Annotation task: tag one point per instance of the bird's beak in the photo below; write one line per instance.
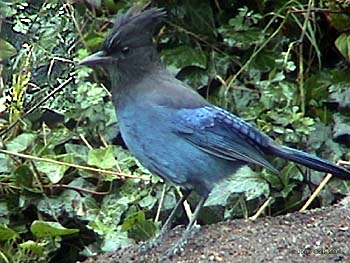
(96, 59)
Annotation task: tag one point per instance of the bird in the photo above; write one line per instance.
(172, 130)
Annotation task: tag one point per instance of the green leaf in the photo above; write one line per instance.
(198, 18)
(7, 233)
(33, 247)
(89, 94)
(5, 163)
(244, 181)
(21, 142)
(341, 95)
(287, 189)
(132, 220)
(343, 45)
(6, 50)
(4, 211)
(24, 176)
(340, 21)
(138, 227)
(114, 6)
(241, 31)
(50, 229)
(273, 179)
(243, 39)
(6, 9)
(102, 158)
(183, 56)
(94, 39)
(265, 61)
(342, 125)
(59, 136)
(114, 240)
(53, 171)
(143, 230)
(71, 203)
(148, 201)
(80, 152)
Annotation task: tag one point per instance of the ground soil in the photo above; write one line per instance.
(320, 235)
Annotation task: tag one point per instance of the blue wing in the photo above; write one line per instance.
(223, 134)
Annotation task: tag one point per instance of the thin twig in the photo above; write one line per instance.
(156, 218)
(186, 205)
(76, 188)
(60, 87)
(316, 192)
(301, 78)
(105, 144)
(103, 140)
(255, 53)
(261, 209)
(87, 168)
(306, 21)
(320, 10)
(85, 141)
(301, 59)
(70, 11)
(320, 187)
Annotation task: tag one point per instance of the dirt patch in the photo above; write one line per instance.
(320, 235)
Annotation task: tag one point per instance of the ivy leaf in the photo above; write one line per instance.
(199, 18)
(340, 95)
(50, 229)
(79, 152)
(148, 202)
(7, 233)
(243, 39)
(343, 45)
(102, 158)
(53, 171)
(114, 240)
(138, 227)
(21, 142)
(341, 126)
(71, 203)
(34, 247)
(24, 176)
(6, 10)
(340, 21)
(6, 50)
(94, 39)
(244, 181)
(183, 56)
(5, 163)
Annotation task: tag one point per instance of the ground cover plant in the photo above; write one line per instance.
(67, 182)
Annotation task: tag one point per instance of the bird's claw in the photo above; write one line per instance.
(148, 246)
(151, 244)
(174, 250)
(180, 244)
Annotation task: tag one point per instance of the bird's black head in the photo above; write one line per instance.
(129, 44)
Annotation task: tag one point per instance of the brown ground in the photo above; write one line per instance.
(320, 235)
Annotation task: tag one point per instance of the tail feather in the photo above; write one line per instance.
(309, 160)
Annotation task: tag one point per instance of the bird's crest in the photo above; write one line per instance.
(135, 28)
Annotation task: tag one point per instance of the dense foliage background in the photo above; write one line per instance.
(65, 186)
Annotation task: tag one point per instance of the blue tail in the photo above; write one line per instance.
(308, 160)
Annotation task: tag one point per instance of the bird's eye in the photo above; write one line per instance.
(125, 50)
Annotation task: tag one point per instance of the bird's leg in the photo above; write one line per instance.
(187, 233)
(166, 227)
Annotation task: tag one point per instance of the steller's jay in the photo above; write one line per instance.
(170, 128)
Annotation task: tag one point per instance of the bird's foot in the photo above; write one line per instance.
(151, 244)
(180, 244)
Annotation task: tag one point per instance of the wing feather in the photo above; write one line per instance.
(223, 134)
